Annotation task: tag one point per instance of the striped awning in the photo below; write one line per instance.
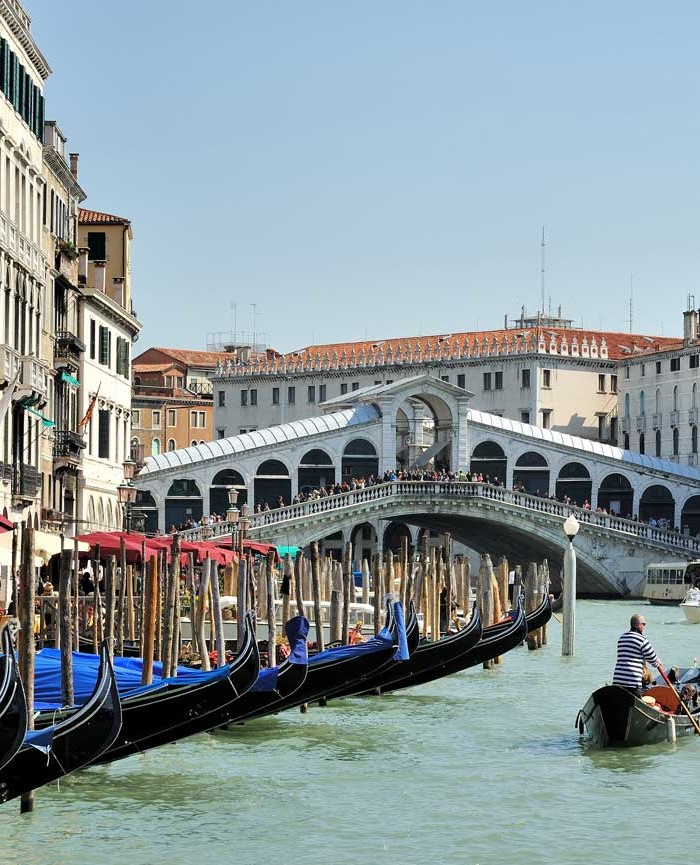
(46, 422)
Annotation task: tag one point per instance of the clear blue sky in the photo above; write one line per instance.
(368, 169)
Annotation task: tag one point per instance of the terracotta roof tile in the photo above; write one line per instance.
(619, 345)
(95, 217)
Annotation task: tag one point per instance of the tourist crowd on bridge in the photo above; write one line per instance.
(417, 474)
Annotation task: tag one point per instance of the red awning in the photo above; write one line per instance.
(109, 544)
(248, 546)
(6, 525)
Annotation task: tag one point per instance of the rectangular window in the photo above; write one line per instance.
(642, 370)
(546, 418)
(343, 388)
(171, 417)
(275, 396)
(601, 427)
(155, 420)
(658, 367)
(193, 419)
(356, 385)
(601, 383)
(627, 372)
(122, 357)
(487, 381)
(253, 396)
(444, 378)
(97, 246)
(202, 416)
(103, 435)
(524, 417)
(136, 418)
(222, 398)
(613, 384)
(322, 393)
(524, 378)
(498, 381)
(461, 381)
(675, 364)
(546, 379)
(105, 346)
(291, 395)
(311, 393)
(221, 433)
(93, 339)
(694, 361)
(244, 397)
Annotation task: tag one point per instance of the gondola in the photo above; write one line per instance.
(13, 703)
(269, 686)
(615, 717)
(51, 753)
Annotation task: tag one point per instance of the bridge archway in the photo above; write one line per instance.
(315, 470)
(657, 503)
(574, 482)
(489, 459)
(424, 424)
(690, 516)
(364, 542)
(272, 482)
(360, 459)
(532, 472)
(182, 502)
(615, 495)
(146, 505)
(393, 535)
(218, 490)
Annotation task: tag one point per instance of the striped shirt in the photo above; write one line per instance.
(633, 649)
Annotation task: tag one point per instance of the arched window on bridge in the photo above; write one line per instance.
(615, 495)
(272, 483)
(145, 507)
(676, 441)
(574, 482)
(532, 473)
(316, 470)
(489, 460)
(183, 503)
(657, 443)
(657, 504)
(641, 443)
(359, 460)
(218, 491)
(690, 516)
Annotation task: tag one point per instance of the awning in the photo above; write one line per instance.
(47, 422)
(69, 379)
(6, 525)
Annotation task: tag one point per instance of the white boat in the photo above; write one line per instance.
(691, 606)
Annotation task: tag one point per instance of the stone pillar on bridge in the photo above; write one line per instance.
(460, 439)
(635, 502)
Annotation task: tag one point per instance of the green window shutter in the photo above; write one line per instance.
(104, 346)
(15, 81)
(41, 117)
(4, 66)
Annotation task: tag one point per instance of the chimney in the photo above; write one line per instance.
(83, 253)
(100, 275)
(690, 326)
(118, 290)
(74, 164)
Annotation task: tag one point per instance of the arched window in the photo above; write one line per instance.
(155, 447)
(642, 406)
(694, 439)
(627, 405)
(193, 444)
(171, 444)
(675, 397)
(641, 443)
(675, 441)
(694, 396)
(658, 442)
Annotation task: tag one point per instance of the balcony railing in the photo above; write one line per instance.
(675, 418)
(67, 445)
(34, 374)
(656, 421)
(26, 482)
(625, 424)
(641, 422)
(692, 416)
(9, 363)
(67, 349)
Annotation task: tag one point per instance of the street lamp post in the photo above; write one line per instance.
(233, 515)
(126, 492)
(568, 639)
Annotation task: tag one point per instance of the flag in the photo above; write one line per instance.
(6, 399)
(91, 408)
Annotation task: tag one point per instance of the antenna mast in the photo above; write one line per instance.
(542, 252)
(631, 296)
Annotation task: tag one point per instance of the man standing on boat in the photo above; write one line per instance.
(633, 649)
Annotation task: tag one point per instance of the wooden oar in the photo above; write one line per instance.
(683, 706)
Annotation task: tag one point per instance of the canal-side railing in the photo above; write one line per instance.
(425, 492)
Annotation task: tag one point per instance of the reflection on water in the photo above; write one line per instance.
(476, 768)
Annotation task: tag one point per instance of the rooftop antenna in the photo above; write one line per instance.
(542, 253)
(631, 307)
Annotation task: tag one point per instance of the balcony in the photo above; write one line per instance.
(67, 350)
(26, 483)
(66, 262)
(9, 363)
(675, 418)
(641, 422)
(624, 424)
(67, 448)
(692, 416)
(656, 421)
(33, 387)
(692, 459)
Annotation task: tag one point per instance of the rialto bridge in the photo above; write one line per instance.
(517, 485)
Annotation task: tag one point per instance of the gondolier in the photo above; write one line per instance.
(633, 649)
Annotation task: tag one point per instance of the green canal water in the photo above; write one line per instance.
(484, 767)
